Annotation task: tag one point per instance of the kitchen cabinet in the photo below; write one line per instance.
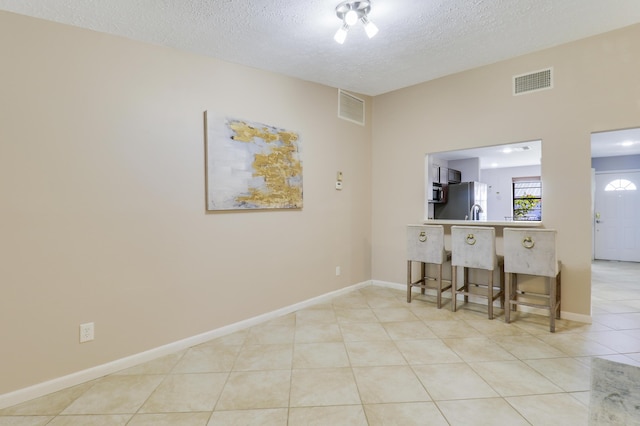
(435, 173)
(438, 180)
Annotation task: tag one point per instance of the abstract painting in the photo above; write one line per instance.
(251, 165)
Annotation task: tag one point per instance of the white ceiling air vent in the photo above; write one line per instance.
(533, 81)
(350, 108)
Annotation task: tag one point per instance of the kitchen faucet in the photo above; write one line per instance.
(474, 212)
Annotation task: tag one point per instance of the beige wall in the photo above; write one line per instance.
(102, 184)
(103, 204)
(597, 87)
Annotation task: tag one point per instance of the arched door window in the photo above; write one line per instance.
(620, 185)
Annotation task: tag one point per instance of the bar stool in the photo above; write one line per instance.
(475, 247)
(425, 244)
(532, 252)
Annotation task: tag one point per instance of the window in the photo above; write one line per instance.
(620, 185)
(527, 198)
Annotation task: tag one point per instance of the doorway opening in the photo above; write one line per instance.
(615, 163)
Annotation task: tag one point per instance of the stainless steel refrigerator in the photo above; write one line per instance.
(460, 198)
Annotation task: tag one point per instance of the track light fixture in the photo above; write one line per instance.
(350, 12)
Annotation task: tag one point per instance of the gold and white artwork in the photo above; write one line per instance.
(252, 165)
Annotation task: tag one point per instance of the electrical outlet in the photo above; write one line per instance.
(338, 272)
(86, 332)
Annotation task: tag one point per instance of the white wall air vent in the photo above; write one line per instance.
(350, 108)
(533, 81)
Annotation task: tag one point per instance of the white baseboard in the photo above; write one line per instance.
(60, 383)
(389, 284)
(576, 317)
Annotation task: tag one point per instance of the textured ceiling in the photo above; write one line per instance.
(419, 40)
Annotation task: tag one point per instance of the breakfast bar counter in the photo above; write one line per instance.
(504, 223)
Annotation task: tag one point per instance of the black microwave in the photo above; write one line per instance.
(438, 194)
(454, 176)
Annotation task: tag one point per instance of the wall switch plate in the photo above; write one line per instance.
(338, 271)
(86, 332)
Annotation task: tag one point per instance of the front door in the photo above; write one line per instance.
(617, 216)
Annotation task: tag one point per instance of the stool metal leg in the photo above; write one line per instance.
(514, 292)
(454, 287)
(559, 293)
(490, 294)
(465, 271)
(552, 304)
(408, 281)
(507, 289)
(501, 277)
(439, 286)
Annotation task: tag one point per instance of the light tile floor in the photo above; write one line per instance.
(368, 357)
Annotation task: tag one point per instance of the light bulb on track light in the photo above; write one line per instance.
(350, 12)
(341, 34)
(351, 17)
(369, 27)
